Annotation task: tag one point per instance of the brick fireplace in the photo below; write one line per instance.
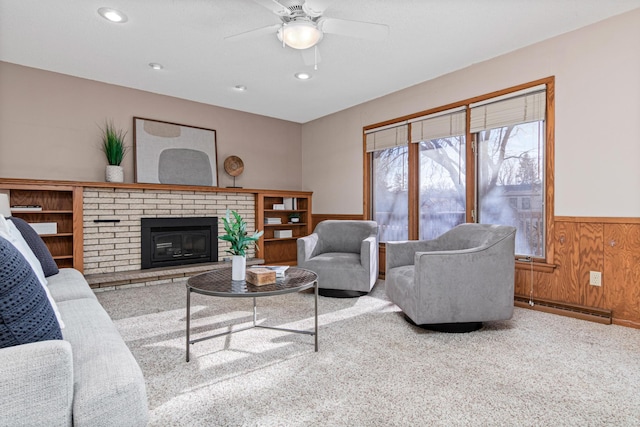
(112, 221)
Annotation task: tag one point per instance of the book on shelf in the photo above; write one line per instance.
(288, 203)
(282, 234)
(279, 269)
(271, 220)
(45, 227)
(26, 208)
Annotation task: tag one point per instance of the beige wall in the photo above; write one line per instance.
(597, 71)
(49, 129)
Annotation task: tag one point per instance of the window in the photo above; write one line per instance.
(510, 134)
(420, 187)
(390, 189)
(442, 169)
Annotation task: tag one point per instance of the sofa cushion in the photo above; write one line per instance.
(37, 245)
(108, 383)
(26, 315)
(9, 231)
(69, 284)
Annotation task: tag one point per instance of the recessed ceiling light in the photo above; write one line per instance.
(240, 88)
(303, 76)
(113, 15)
(156, 66)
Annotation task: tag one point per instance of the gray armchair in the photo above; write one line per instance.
(344, 255)
(457, 281)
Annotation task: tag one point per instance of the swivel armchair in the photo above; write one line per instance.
(344, 255)
(455, 282)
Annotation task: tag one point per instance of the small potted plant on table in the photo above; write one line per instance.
(236, 234)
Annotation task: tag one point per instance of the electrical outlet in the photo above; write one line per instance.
(595, 278)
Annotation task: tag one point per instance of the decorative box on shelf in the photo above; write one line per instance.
(45, 227)
(260, 276)
(281, 234)
(278, 207)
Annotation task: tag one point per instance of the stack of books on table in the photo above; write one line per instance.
(269, 220)
(279, 269)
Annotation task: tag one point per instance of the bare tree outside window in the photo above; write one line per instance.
(511, 165)
(390, 193)
(442, 185)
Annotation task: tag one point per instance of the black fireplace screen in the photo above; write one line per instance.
(178, 241)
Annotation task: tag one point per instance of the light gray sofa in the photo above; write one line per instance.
(90, 378)
(457, 281)
(344, 255)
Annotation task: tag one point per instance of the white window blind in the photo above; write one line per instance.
(387, 137)
(439, 125)
(511, 109)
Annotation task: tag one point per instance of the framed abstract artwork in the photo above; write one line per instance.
(170, 153)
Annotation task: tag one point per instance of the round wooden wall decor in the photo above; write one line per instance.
(233, 165)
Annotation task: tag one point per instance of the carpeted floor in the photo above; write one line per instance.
(372, 368)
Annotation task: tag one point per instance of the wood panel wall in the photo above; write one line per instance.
(608, 245)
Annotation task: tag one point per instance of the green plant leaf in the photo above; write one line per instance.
(236, 234)
(113, 143)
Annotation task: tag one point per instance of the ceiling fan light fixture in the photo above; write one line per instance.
(300, 34)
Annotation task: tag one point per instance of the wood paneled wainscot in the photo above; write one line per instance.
(581, 245)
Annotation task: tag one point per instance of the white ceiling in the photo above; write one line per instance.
(427, 38)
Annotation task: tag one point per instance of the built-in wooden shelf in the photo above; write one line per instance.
(282, 251)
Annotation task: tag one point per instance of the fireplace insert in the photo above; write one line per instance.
(178, 241)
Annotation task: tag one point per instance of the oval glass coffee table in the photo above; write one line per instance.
(218, 283)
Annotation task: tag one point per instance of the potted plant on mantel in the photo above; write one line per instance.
(115, 150)
(236, 234)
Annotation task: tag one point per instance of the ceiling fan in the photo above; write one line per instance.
(303, 26)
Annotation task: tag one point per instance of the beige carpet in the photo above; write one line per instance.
(373, 368)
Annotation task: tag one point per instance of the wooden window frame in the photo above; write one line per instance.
(541, 264)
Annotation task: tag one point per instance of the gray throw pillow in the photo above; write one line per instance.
(37, 245)
(26, 315)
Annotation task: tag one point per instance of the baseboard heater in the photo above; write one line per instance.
(592, 314)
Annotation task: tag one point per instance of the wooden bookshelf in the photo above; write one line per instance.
(62, 205)
(282, 250)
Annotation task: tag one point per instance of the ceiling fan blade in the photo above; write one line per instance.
(316, 8)
(274, 6)
(271, 29)
(363, 30)
(311, 57)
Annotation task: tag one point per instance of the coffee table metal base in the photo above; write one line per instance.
(255, 323)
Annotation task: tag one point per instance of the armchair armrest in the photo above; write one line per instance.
(306, 247)
(403, 253)
(369, 255)
(36, 383)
